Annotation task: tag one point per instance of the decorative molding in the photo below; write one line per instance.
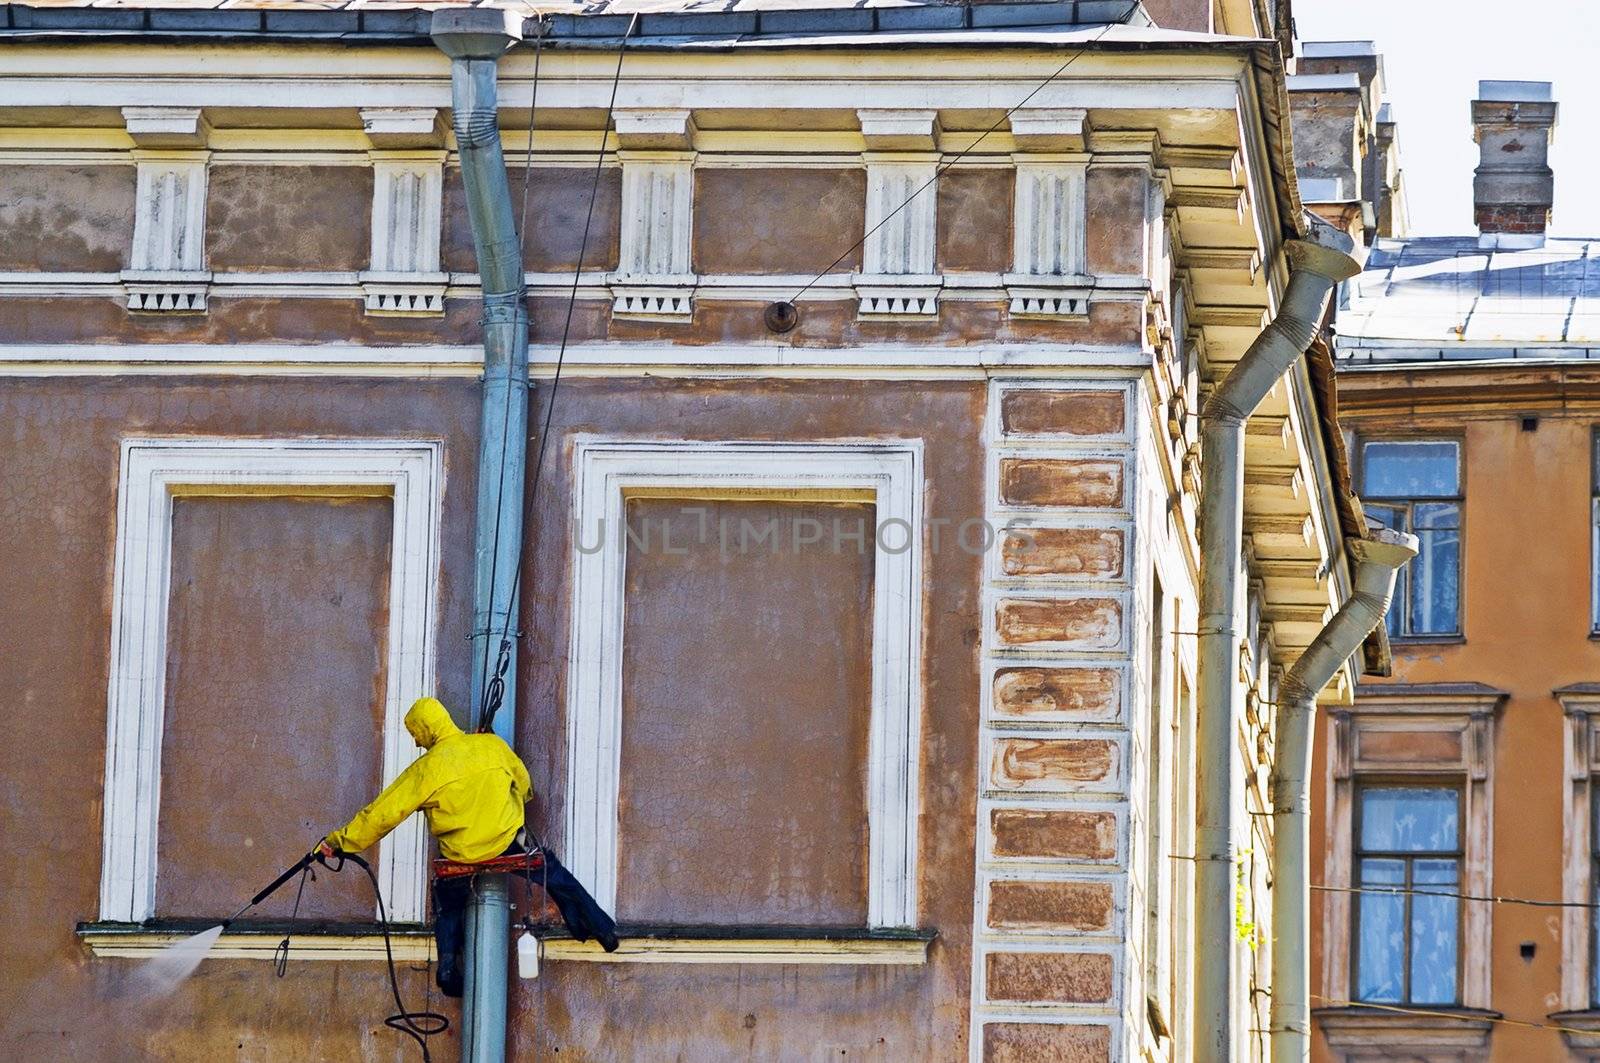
(899, 129)
(1066, 297)
(405, 294)
(654, 277)
(407, 199)
(899, 297)
(403, 128)
(654, 130)
(897, 277)
(605, 472)
(1367, 1035)
(1580, 704)
(1050, 128)
(1050, 217)
(166, 127)
(167, 267)
(1429, 731)
(153, 472)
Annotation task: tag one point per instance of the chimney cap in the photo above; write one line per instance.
(1337, 49)
(1516, 91)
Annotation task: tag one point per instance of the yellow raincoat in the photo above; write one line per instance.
(470, 786)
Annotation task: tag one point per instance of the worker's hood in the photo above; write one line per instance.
(429, 721)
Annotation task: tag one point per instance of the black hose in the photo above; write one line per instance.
(417, 1025)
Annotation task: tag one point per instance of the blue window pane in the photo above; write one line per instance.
(1434, 925)
(1394, 518)
(1435, 573)
(1408, 819)
(1411, 469)
(1380, 947)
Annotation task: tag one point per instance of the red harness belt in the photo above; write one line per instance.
(512, 863)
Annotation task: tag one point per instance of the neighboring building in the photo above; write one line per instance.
(1467, 385)
(909, 775)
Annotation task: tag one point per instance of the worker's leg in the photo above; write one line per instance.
(579, 910)
(450, 897)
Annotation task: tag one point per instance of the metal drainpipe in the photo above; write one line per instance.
(1377, 561)
(1316, 264)
(474, 39)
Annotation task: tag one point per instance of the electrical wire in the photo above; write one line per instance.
(1485, 898)
(965, 151)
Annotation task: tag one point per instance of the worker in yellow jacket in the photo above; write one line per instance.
(472, 788)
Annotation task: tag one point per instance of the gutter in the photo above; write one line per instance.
(1316, 264)
(474, 39)
(1377, 562)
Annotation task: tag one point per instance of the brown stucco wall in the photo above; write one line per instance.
(288, 218)
(65, 218)
(1114, 240)
(304, 584)
(59, 448)
(58, 443)
(778, 220)
(1525, 620)
(593, 1011)
(746, 677)
(558, 208)
(974, 220)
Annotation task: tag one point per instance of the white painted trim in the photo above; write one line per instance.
(273, 359)
(412, 471)
(604, 471)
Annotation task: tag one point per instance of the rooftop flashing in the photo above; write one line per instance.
(1324, 82)
(1336, 49)
(605, 20)
(1516, 91)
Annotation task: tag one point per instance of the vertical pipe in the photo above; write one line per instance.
(474, 39)
(1316, 264)
(1377, 560)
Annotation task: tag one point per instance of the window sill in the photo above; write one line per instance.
(1453, 1030)
(1580, 1029)
(752, 944)
(258, 941)
(640, 944)
(1427, 640)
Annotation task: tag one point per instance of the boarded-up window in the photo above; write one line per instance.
(746, 694)
(274, 700)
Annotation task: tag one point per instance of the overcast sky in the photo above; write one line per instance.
(1434, 54)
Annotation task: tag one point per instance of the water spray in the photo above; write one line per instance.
(163, 972)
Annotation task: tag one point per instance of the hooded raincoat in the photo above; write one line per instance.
(471, 787)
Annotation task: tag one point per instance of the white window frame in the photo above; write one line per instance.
(606, 472)
(154, 472)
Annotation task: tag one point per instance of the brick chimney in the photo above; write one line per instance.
(1513, 186)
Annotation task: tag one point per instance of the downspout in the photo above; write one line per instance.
(474, 39)
(1377, 562)
(1316, 264)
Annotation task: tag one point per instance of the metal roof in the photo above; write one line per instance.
(1440, 298)
(573, 21)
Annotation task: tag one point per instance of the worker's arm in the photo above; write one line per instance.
(386, 812)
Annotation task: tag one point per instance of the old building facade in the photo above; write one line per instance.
(859, 667)
(1465, 387)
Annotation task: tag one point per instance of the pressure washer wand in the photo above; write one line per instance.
(277, 883)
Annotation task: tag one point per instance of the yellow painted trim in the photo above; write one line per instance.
(411, 946)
